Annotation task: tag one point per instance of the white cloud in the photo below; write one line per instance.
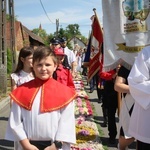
(31, 13)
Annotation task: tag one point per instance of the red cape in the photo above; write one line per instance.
(54, 95)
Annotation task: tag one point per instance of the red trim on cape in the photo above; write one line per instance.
(54, 95)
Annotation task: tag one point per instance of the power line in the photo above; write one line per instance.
(45, 12)
(60, 22)
(81, 25)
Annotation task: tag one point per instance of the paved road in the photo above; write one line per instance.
(4, 114)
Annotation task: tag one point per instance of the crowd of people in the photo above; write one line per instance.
(47, 71)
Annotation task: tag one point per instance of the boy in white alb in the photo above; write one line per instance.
(44, 119)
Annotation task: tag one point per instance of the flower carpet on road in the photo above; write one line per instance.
(87, 134)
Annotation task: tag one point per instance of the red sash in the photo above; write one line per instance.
(54, 95)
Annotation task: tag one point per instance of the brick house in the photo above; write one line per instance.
(23, 36)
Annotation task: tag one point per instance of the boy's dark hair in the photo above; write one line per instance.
(24, 52)
(42, 52)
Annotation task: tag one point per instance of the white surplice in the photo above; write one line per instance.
(139, 84)
(124, 116)
(34, 125)
(71, 56)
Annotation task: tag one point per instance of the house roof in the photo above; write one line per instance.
(19, 25)
(32, 35)
(77, 39)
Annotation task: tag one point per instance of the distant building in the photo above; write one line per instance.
(40, 26)
(77, 44)
(76, 41)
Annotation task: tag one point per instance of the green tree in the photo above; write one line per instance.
(69, 32)
(62, 33)
(73, 30)
(42, 33)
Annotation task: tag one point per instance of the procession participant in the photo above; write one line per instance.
(110, 102)
(127, 103)
(56, 43)
(71, 56)
(42, 114)
(79, 61)
(139, 85)
(62, 73)
(23, 72)
(84, 71)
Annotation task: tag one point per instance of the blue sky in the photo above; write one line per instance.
(31, 13)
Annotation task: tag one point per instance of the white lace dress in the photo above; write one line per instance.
(22, 77)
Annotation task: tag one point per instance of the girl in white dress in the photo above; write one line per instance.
(23, 72)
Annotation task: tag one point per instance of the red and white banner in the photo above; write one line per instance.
(97, 39)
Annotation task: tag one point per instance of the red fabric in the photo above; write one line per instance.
(97, 39)
(59, 51)
(107, 75)
(64, 76)
(54, 95)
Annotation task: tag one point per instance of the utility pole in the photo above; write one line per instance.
(12, 32)
(3, 49)
(57, 27)
(3, 41)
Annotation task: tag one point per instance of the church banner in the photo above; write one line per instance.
(126, 25)
(96, 42)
